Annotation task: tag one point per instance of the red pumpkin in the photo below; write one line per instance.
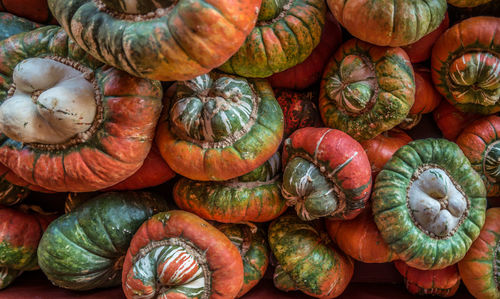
(298, 109)
(16, 180)
(442, 282)
(421, 50)
(35, 10)
(153, 172)
(381, 148)
(427, 98)
(451, 121)
(309, 71)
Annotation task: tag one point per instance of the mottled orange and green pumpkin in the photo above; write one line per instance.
(479, 268)
(443, 282)
(218, 127)
(253, 249)
(120, 134)
(162, 40)
(466, 65)
(480, 143)
(307, 259)
(254, 197)
(326, 174)
(389, 23)
(285, 34)
(360, 238)
(11, 24)
(298, 109)
(366, 89)
(177, 254)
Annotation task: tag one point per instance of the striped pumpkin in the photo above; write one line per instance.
(254, 196)
(479, 268)
(177, 254)
(161, 40)
(47, 144)
(327, 173)
(218, 127)
(466, 65)
(480, 143)
(285, 34)
(366, 89)
(85, 248)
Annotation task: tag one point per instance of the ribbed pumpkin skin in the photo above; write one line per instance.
(338, 160)
(311, 264)
(481, 145)
(388, 23)
(452, 121)
(220, 255)
(191, 39)
(381, 148)
(216, 154)
(465, 63)
(443, 283)
(255, 196)
(366, 90)
(479, 268)
(276, 44)
(310, 70)
(467, 3)
(393, 216)
(360, 238)
(35, 10)
(427, 98)
(254, 252)
(84, 249)
(11, 24)
(122, 141)
(421, 50)
(298, 109)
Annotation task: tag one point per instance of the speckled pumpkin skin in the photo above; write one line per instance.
(388, 23)
(465, 65)
(394, 219)
(298, 109)
(131, 107)
(481, 145)
(311, 264)
(279, 41)
(11, 24)
(389, 102)
(479, 268)
(84, 249)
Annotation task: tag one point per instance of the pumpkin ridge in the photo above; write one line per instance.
(492, 161)
(182, 46)
(279, 17)
(157, 13)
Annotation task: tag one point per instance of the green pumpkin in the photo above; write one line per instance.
(11, 24)
(85, 248)
(429, 204)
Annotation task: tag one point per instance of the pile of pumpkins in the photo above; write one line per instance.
(279, 126)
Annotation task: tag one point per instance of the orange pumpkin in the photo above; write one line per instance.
(451, 121)
(427, 98)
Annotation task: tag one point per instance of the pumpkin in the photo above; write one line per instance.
(452, 121)
(177, 254)
(426, 96)
(253, 250)
(70, 123)
(309, 71)
(161, 40)
(366, 89)
(307, 261)
(468, 3)
(360, 238)
(457, 14)
(410, 121)
(85, 248)
(429, 203)
(479, 268)
(381, 148)
(218, 127)
(420, 50)
(327, 173)
(443, 282)
(254, 196)
(298, 109)
(20, 233)
(285, 34)
(480, 143)
(11, 25)
(465, 62)
(389, 23)
(155, 171)
(10, 194)
(34, 10)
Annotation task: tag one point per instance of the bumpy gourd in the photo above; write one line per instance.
(298, 109)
